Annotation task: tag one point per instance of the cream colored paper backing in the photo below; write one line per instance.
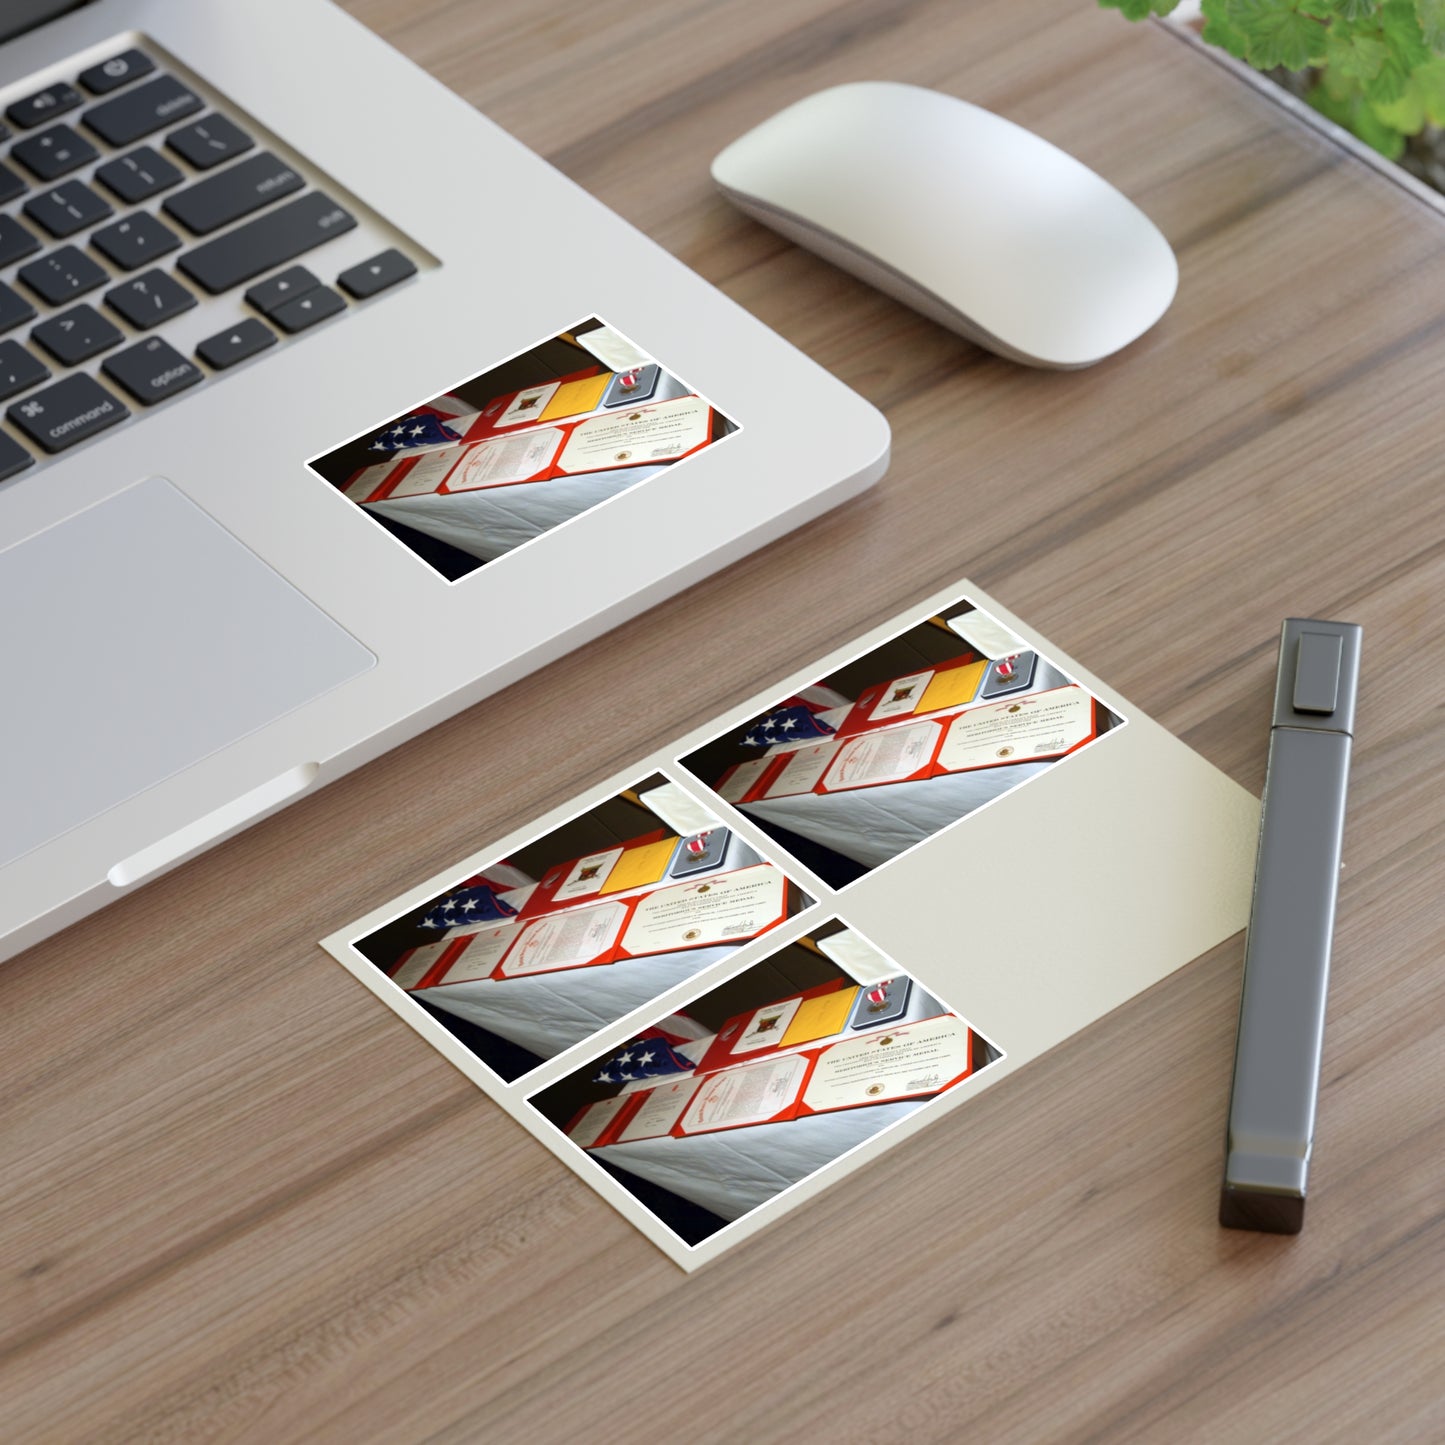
(1127, 860)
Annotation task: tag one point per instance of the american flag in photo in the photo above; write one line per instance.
(786, 725)
(413, 432)
(466, 905)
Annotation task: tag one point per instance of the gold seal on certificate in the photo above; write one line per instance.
(752, 1094)
(727, 908)
(503, 460)
(658, 433)
(897, 1063)
(1039, 725)
(565, 940)
(483, 952)
(886, 756)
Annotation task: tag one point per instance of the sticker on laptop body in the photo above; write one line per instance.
(531, 443)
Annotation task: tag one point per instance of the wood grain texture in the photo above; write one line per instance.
(242, 1201)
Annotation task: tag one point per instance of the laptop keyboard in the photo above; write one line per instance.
(129, 201)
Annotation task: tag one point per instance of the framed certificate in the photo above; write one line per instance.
(478, 955)
(890, 755)
(761, 1093)
(414, 965)
(659, 1111)
(593, 1126)
(738, 781)
(800, 774)
(911, 1062)
(501, 461)
(726, 908)
(644, 435)
(1025, 729)
(587, 875)
(574, 938)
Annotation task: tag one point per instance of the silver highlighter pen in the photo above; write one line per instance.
(1291, 926)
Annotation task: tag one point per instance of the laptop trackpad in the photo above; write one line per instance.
(138, 638)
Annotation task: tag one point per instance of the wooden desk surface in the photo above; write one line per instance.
(242, 1201)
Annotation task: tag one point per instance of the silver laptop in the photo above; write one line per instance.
(326, 409)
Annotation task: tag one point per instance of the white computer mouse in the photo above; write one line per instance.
(972, 220)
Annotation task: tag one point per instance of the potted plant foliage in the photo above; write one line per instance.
(1374, 67)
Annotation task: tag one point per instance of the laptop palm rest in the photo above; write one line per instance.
(140, 637)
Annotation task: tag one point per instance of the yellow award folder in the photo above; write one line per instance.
(573, 398)
(638, 867)
(820, 1017)
(948, 689)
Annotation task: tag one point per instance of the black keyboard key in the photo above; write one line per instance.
(15, 241)
(152, 370)
(14, 308)
(267, 241)
(208, 142)
(62, 275)
(19, 369)
(307, 310)
(117, 71)
(135, 240)
(53, 153)
(77, 335)
(284, 286)
(13, 458)
(139, 175)
(149, 299)
(69, 207)
(10, 184)
(236, 343)
(74, 408)
(140, 111)
(369, 277)
(44, 105)
(235, 192)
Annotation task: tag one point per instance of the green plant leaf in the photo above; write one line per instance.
(1430, 14)
(1353, 55)
(1140, 9)
(1276, 33)
(1406, 115)
(1377, 134)
(1220, 30)
(1358, 118)
(1356, 9)
(1428, 82)
(1401, 29)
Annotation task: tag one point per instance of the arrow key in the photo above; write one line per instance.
(235, 343)
(307, 310)
(284, 286)
(376, 274)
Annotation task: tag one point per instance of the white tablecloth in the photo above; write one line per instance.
(490, 522)
(735, 1170)
(549, 1012)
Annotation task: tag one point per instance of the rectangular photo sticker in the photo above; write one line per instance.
(721, 1108)
(522, 447)
(899, 743)
(526, 956)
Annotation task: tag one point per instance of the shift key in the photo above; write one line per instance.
(266, 242)
(232, 193)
